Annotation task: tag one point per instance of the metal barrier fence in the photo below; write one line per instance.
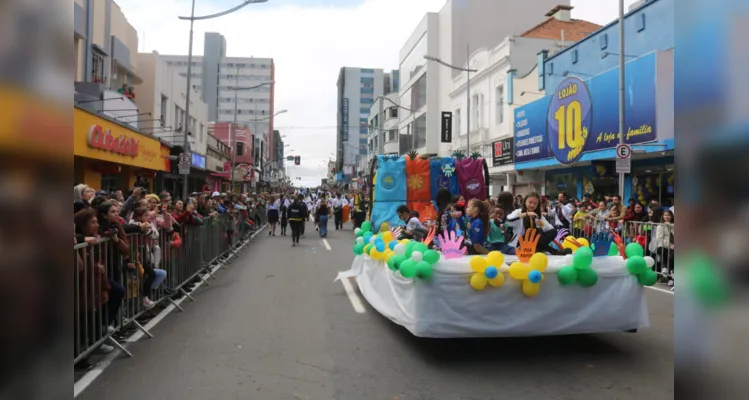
(113, 279)
(657, 239)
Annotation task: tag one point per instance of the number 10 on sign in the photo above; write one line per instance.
(569, 120)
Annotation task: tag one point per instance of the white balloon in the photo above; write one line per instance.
(649, 261)
(357, 230)
(359, 240)
(417, 256)
(400, 249)
(372, 239)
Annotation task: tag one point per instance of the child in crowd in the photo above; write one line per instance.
(498, 233)
(457, 219)
(614, 213)
(478, 212)
(414, 228)
(284, 216)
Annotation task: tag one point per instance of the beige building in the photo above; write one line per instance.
(162, 93)
(106, 48)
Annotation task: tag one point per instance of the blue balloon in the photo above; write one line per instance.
(491, 272)
(534, 276)
(380, 245)
(392, 244)
(367, 236)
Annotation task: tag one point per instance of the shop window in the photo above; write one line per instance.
(604, 41)
(641, 22)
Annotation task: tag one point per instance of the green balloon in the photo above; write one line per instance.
(583, 258)
(431, 256)
(587, 277)
(421, 247)
(613, 250)
(391, 263)
(423, 270)
(367, 247)
(634, 249)
(567, 275)
(637, 265)
(359, 249)
(707, 283)
(366, 226)
(408, 268)
(410, 248)
(398, 260)
(647, 278)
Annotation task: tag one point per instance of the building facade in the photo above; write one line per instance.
(357, 90)
(583, 160)
(242, 144)
(215, 76)
(491, 120)
(162, 94)
(105, 46)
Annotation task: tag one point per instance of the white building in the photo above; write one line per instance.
(214, 75)
(163, 95)
(383, 126)
(461, 26)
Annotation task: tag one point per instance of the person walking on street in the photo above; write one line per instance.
(323, 213)
(338, 211)
(297, 216)
(272, 214)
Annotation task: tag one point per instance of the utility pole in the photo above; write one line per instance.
(234, 130)
(468, 100)
(622, 125)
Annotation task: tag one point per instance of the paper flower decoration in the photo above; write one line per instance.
(531, 274)
(486, 270)
(448, 170)
(580, 271)
(450, 245)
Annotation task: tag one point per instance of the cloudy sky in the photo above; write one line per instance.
(309, 40)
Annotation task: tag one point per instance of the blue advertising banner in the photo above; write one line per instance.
(198, 160)
(582, 116)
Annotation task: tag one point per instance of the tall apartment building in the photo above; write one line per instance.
(214, 75)
(358, 88)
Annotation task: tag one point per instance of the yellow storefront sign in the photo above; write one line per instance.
(100, 139)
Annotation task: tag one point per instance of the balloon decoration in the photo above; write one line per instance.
(411, 258)
(580, 271)
(639, 265)
(531, 274)
(574, 244)
(486, 270)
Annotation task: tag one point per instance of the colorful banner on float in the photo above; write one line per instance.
(581, 116)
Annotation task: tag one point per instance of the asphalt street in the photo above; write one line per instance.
(274, 326)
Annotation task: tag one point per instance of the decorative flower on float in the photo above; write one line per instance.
(486, 270)
(530, 266)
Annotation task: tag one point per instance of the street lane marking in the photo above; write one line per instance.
(327, 245)
(355, 301)
(660, 290)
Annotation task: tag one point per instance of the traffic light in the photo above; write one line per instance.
(297, 160)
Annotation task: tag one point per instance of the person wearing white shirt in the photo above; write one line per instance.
(529, 217)
(338, 211)
(563, 212)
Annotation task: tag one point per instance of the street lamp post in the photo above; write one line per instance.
(468, 91)
(192, 18)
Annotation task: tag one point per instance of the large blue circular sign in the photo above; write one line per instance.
(569, 120)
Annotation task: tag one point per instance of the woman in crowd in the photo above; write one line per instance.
(529, 217)
(323, 213)
(598, 216)
(664, 244)
(271, 214)
(94, 289)
(150, 254)
(109, 227)
(82, 196)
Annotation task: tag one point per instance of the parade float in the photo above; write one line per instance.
(438, 291)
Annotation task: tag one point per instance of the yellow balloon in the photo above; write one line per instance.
(478, 264)
(568, 243)
(387, 236)
(584, 242)
(495, 258)
(478, 281)
(519, 271)
(385, 227)
(497, 281)
(539, 261)
(530, 289)
(367, 248)
(375, 254)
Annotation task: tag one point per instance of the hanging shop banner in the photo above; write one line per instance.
(502, 153)
(344, 120)
(583, 116)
